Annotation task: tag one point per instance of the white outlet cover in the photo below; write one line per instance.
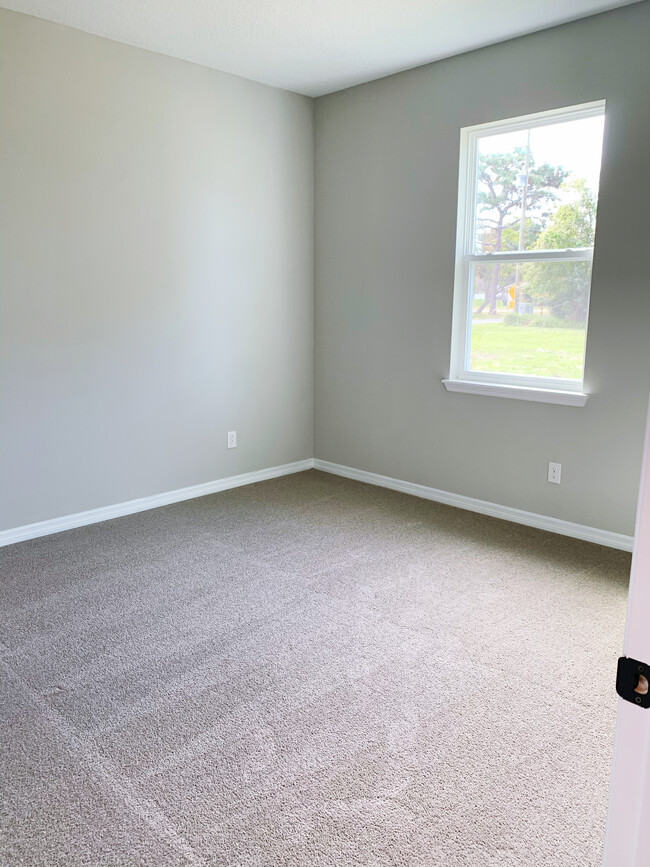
(554, 472)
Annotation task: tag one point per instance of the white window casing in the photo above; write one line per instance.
(547, 390)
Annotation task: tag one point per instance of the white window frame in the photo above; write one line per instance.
(546, 390)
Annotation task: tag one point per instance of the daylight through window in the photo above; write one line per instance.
(527, 219)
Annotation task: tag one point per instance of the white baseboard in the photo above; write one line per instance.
(105, 513)
(507, 513)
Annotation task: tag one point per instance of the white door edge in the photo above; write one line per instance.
(627, 840)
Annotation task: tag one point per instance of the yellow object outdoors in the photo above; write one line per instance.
(511, 296)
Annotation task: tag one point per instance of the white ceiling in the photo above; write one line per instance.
(310, 46)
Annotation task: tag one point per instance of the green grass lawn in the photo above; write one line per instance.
(527, 350)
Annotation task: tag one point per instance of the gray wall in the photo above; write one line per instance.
(156, 276)
(386, 188)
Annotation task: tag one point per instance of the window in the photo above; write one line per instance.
(527, 201)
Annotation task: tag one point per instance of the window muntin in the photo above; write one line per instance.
(527, 216)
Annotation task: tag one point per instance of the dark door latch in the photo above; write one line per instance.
(632, 680)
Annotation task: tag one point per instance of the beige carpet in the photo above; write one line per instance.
(308, 671)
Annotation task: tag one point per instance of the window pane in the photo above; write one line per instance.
(529, 318)
(537, 188)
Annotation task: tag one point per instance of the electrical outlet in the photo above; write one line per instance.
(554, 473)
(232, 439)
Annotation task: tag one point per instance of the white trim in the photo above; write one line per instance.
(465, 230)
(537, 383)
(518, 392)
(506, 513)
(542, 118)
(580, 254)
(105, 513)
(628, 817)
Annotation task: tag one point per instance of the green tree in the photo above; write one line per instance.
(499, 207)
(564, 286)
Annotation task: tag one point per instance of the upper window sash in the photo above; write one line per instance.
(466, 228)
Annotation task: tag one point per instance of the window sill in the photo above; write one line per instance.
(517, 392)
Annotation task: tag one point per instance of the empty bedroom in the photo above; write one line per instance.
(324, 474)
